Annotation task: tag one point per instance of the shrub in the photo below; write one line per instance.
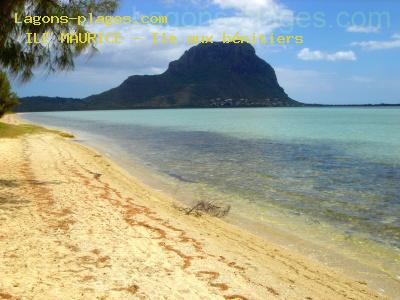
(7, 98)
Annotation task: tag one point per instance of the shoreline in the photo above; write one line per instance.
(357, 257)
(102, 232)
(367, 269)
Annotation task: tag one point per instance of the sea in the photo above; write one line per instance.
(322, 181)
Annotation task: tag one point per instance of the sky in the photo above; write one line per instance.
(350, 53)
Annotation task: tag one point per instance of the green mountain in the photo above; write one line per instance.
(207, 75)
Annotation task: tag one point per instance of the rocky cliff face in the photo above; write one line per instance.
(207, 75)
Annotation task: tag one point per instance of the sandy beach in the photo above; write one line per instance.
(73, 225)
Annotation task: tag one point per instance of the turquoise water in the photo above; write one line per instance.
(335, 171)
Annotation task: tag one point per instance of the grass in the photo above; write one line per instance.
(15, 131)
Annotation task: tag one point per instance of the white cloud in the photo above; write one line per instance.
(336, 88)
(257, 7)
(255, 15)
(246, 5)
(380, 45)
(142, 57)
(307, 54)
(362, 29)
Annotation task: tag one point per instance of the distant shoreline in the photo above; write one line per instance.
(60, 102)
(351, 105)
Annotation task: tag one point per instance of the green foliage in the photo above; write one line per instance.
(14, 131)
(19, 58)
(7, 98)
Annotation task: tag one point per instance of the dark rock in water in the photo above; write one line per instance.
(207, 75)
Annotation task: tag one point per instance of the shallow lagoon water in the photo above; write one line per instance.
(330, 175)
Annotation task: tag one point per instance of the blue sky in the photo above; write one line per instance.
(350, 52)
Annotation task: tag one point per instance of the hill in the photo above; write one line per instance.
(207, 75)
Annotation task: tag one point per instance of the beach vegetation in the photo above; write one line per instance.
(8, 99)
(18, 57)
(18, 130)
